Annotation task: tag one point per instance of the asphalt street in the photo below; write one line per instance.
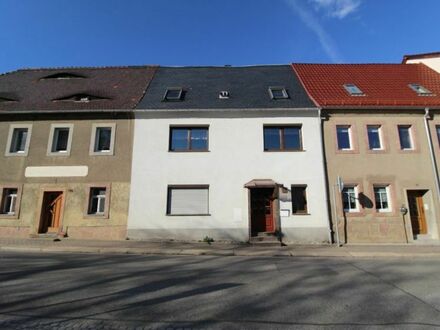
(88, 291)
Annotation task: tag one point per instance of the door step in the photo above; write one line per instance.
(425, 239)
(264, 239)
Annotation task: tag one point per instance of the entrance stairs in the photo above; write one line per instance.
(425, 240)
(264, 239)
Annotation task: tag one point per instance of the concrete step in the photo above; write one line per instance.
(265, 239)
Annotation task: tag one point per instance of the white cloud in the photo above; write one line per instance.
(315, 26)
(337, 8)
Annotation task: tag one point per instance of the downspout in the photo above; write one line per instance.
(325, 176)
(431, 151)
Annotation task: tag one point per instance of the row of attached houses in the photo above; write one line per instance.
(232, 153)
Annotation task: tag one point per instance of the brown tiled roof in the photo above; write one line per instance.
(109, 88)
(384, 85)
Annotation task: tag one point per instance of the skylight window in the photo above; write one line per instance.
(420, 90)
(63, 75)
(6, 99)
(277, 93)
(173, 94)
(223, 95)
(353, 90)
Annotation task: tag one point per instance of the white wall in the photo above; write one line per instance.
(433, 62)
(235, 157)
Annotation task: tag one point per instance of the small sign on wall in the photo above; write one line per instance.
(284, 213)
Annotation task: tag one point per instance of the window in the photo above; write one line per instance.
(374, 137)
(277, 93)
(97, 201)
(299, 200)
(343, 137)
(349, 199)
(223, 95)
(103, 138)
(437, 129)
(192, 200)
(81, 98)
(381, 199)
(63, 75)
(281, 138)
(353, 90)
(405, 138)
(18, 140)
(60, 139)
(9, 201)
(420, 90)
(173, 94)
(188, 139)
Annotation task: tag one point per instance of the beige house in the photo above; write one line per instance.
(66, 148)
(375, 120)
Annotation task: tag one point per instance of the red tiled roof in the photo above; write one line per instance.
(384, 85)
(116, 88)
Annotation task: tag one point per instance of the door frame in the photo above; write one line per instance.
(40, 207)
(273, 205)
(425, 191)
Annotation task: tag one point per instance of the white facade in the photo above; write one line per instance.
(235, 157)
(432, 62)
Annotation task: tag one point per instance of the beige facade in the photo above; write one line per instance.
(70, 174)
(398, 172)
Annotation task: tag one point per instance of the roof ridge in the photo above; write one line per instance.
(88, 67)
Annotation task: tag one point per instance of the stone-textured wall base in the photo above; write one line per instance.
(98, 233)
(373, 231)
(15, 232)
(305, 235)
(219, 234)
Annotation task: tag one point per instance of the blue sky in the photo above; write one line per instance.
(51, 33)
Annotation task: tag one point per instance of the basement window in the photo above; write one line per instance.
(353, 90)
(420, 90)
(277, 93)
(173, 94)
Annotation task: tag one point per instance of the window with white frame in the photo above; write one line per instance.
(374, 137)
(9, 201)
(405, 137)
(381, 198)
(350, 199)
(18, 140)
(188, 200)
(343, 135)
(60, 139)
(97, 200)
(103, 138)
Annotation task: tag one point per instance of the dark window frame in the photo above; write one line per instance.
(172, 89)
(306, 209)
(189, 142)
(281, 129)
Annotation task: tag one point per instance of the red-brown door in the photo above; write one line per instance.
(262, 213)
(51, 212)
(417, 212)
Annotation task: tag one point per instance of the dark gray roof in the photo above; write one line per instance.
(248, 88)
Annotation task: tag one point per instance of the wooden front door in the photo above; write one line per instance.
(262, 211)
(417, 212)
(51, 212)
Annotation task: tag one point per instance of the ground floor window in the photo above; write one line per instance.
(381, 198)
(188, 200)
(9, 201)
(98, 201)
(299, 199)
(349, 199)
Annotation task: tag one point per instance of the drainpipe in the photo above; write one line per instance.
(324, 169)
(431, 151)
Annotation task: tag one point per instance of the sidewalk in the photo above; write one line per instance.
(218, 249)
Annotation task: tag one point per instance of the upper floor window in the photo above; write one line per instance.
(103, 138)
(173, 94)
(282, 138)
(353, 90)
(374, 137)
(343, 136)
(18, 140)
(350, 199)
(437, 129)
(277, 93)
(381, 198)
(188, 139)
(405, 137)
(420, 90)
(60, 139)
(9, 201)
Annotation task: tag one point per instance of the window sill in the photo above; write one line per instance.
(287, 150)
(184, 151)
(16, 154)
(96, 216)
(9, 216)
(188, 215)
(301, 214)
(101, 153)
(58, 154)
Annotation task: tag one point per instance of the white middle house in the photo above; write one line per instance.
(232, 153)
